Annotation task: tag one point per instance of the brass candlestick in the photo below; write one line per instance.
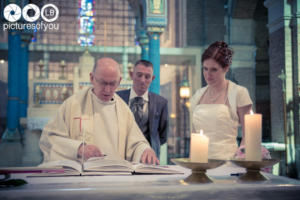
(198, 169)
(253, 168)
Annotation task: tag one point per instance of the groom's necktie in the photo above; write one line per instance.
(137, 109)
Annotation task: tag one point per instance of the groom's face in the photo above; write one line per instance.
(141, 76)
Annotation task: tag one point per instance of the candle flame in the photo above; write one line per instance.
(201, 132)
(251, 112)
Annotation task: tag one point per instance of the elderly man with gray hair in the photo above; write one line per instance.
(96, 122)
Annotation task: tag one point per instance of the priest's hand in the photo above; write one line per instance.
(88, 151)
(149, 157)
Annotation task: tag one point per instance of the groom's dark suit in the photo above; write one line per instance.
(157, 116)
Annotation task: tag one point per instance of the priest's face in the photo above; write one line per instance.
(105, 79)
(141, 76)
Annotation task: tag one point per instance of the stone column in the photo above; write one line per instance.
(155, 21)
(14, 49)
(144, 43)
(24, 75)
(295, 26)
(154, 58)
(279, 52)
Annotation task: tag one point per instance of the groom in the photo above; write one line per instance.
(150, 110)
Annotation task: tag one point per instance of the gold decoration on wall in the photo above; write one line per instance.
(156, 6)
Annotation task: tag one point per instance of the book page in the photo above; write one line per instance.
(55, 174)
(68, 165)
(105, 164)
(105, 173)
(141, 168)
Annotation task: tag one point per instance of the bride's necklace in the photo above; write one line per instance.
(213, 98)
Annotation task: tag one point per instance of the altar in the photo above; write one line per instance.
(226, 185)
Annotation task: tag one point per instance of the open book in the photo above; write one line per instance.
(106, 166)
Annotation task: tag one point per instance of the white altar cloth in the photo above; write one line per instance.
(163, 187)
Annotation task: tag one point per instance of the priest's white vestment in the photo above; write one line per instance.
(84, 118)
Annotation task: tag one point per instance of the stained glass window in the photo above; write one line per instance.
(86, 22)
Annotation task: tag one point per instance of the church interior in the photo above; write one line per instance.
(41, 67)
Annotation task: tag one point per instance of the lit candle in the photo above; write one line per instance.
(253, 136)
(199, 147)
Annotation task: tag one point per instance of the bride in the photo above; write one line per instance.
(219, 107)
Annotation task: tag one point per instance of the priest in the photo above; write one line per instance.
(96, 122)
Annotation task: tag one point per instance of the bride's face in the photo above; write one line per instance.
(213, 72)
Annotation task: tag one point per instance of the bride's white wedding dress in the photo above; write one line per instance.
(217, 125)
(220, 122)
